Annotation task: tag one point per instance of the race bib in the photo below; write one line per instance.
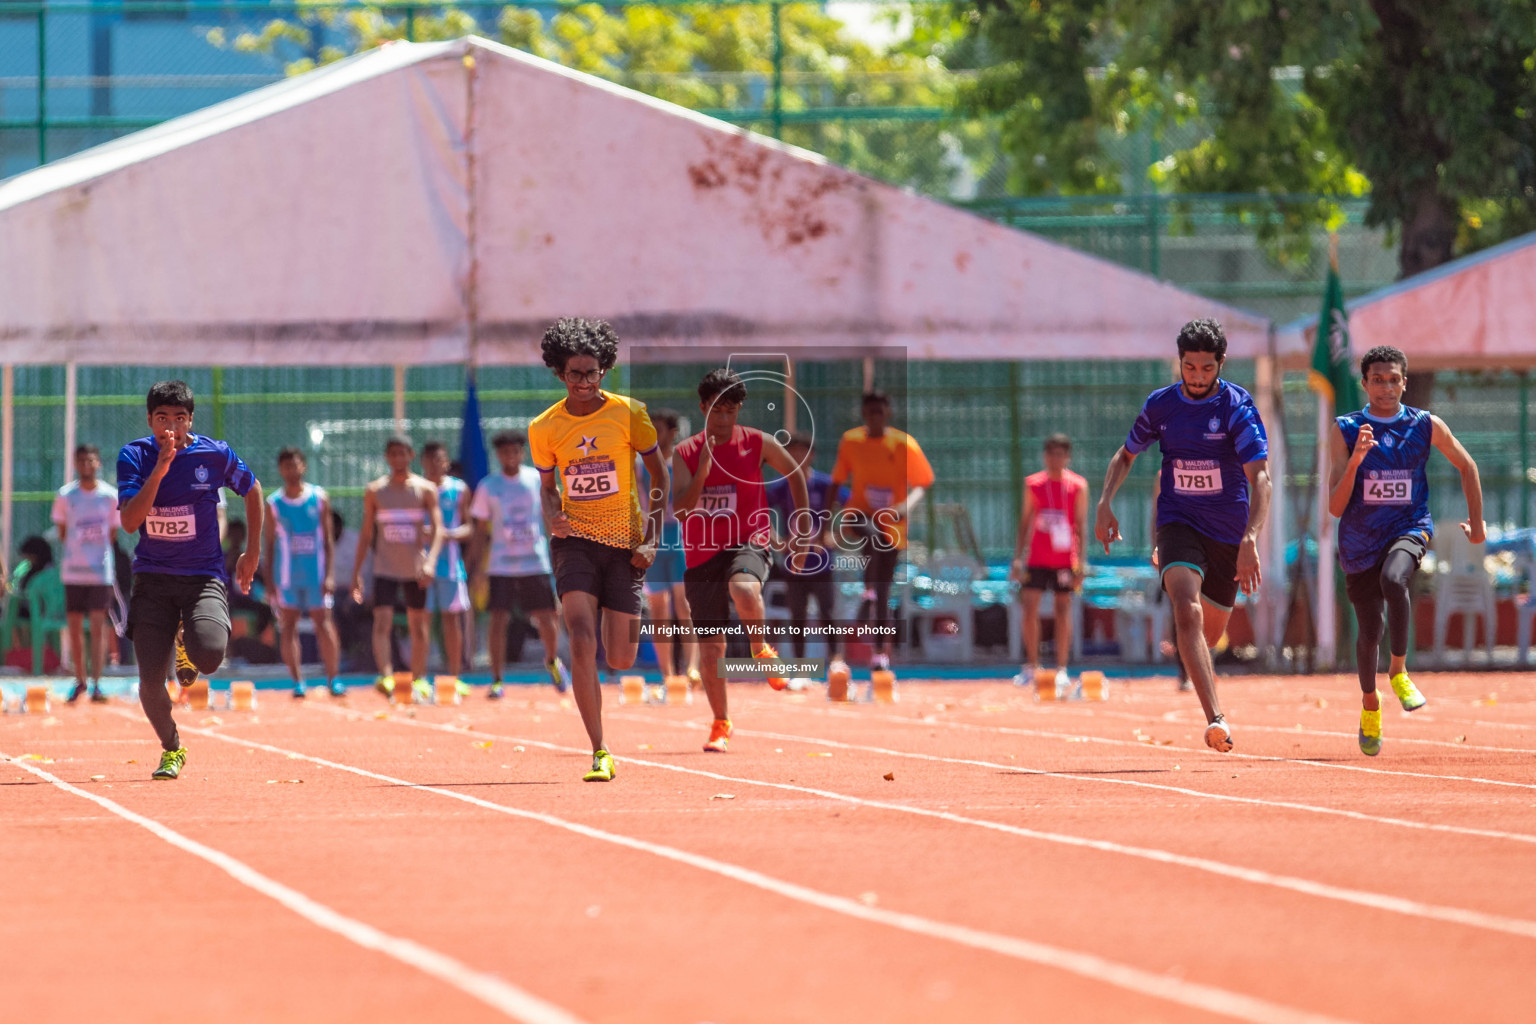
(401, 533)
(1054, 522)
(90, 533)
(1389, 487)
(175, 523)
(518, 529)
(586, 481)
(719, 498)
(304, 543)
(879, 497)
(1196, 476)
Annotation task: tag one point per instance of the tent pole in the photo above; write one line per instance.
(869, 373)
(1525, 448)
(791, 399)
(1270, 384)
(7, 454)
(1327, 618)
(400, 398)
(71, 410)
(471, 215)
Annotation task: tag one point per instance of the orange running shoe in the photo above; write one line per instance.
(719, 736)
(767, 651)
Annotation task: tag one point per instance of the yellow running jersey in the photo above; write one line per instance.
(595, 457)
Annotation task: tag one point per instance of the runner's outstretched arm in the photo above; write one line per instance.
(1471, 481)
(1106, 527)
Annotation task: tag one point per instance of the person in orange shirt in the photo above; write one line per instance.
(1053, 534)
(888, 474)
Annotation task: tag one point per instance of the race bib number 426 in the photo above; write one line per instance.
(175, 523)
(1196, 476)
(1389, 487)
(586, 481)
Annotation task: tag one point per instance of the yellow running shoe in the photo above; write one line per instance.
(385, 685)
(171, 763)
(1370, 732)
(602, 767)
(1407, 693)
(186, 672)
(767, 652)
(719, 736)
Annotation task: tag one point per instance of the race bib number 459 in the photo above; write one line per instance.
(586, 481)
(174, 523)
(1389, 487)
(1196, 476)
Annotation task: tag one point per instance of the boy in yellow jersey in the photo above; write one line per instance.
(584, 448)
(888, 475)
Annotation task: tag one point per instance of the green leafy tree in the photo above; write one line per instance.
(710, 57)
(1427, 105)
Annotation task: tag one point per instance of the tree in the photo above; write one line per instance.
(1430, 105)
(703, 56)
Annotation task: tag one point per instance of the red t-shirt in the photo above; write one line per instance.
(733, 509)
(1058, 535)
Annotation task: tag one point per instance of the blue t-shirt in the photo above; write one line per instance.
(88, 518)
(180, 536)
(450, 558)
(299, 538)
(1205, 446)
(819, 491)
(1391, 495)
(512, 506)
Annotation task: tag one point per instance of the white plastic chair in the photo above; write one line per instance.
(952, 576)
(1141, 622)
(1466, 588)
(1525, 608)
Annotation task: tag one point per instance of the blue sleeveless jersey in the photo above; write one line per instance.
(1205, 446)
(450, 561)
(298, 558)
(1391, 495)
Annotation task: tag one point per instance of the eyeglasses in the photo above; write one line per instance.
(589, 377)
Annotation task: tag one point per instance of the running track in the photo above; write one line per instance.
(336, 861)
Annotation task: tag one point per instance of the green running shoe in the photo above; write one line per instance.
(423, 691)
(558, 674)
(171, 763)
(602, 768)
(1370, 733)
(496, 692)
(1407, 693)
(385, 685)
(462, 688)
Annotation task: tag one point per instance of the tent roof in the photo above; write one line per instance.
(409, 204)
(1474, 312)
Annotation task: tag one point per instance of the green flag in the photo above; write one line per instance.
(1332, 373)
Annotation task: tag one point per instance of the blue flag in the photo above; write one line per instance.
(472, 454)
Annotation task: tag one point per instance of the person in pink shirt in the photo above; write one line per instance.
(1053, 535)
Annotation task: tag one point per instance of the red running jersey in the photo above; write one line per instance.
(733, 509)
(1058, 535)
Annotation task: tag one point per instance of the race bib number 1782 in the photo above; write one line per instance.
(177, 523)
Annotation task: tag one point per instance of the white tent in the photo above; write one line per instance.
(422, 200)
(1472, 313)
(442, 202)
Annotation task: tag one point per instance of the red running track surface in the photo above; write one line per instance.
(339, 860)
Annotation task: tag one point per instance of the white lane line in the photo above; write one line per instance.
(1483, 833)
(1008, 730)
(493, 991)
(1158, 986)
(1321, 890)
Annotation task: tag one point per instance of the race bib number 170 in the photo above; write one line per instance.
(1196, 476)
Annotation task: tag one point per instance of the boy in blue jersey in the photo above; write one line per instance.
(168, 492)
(448, 594)
(508, 509)
(1213, 501)
(1380, 492)
(85, 511)
(300, 553)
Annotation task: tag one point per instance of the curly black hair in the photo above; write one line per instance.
(174, 394)
(577, 336)
(722, 385)
(1203, 336)
(1383, 354)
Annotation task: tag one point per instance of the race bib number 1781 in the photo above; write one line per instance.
(1196, 476)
